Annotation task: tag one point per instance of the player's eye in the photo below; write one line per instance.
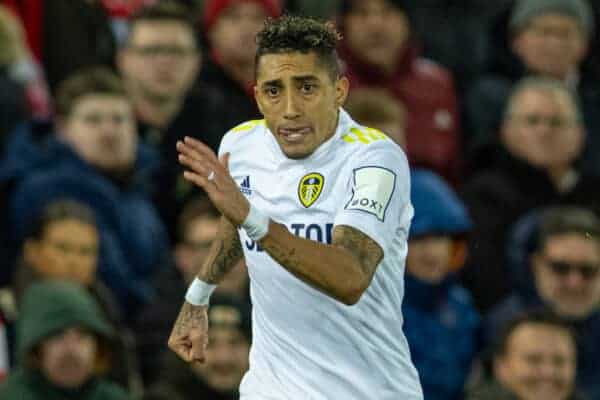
(272, 91)
(308, 88)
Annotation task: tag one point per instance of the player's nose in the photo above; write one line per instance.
(292, 106)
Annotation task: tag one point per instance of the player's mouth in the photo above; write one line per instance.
(294, 135)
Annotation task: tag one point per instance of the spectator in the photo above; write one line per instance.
(95, 159)
(63, 244)
(534, 165)
(61, 333)
(159, 63)
(219, 377)
(230, 28)
(198, 226)
(377, 108)
(440, 320)
(66, 36)
(556, 265)
(550, 38)
(379, 51)
(534, 358)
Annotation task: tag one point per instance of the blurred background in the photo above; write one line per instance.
(495, 102)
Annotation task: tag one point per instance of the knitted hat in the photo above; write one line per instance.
(346, 5)
(214, 8)
(525, 10)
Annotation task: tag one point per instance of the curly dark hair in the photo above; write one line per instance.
(290, 33)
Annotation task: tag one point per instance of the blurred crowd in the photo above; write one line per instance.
(496, 103)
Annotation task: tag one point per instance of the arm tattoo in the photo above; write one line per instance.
(189, 316)
(225, 253)
(366, 250)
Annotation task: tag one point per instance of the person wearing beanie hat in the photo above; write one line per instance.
(219, 377)
(526, 10)
(435, 304)
(537, 26)
(61, 337)
(230, 28)
(214, 8)
(550, 38)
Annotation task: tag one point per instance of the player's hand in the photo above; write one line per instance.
(212, 174)
(189, 337)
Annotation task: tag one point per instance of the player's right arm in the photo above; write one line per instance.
(225, 252)
(189, 336)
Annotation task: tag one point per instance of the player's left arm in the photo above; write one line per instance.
(342, 270)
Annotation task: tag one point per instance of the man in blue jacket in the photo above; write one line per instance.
(94, 158)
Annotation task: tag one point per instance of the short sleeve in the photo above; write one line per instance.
(377, 201)
(225, 146)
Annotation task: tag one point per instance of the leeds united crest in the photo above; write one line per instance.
(309, 188)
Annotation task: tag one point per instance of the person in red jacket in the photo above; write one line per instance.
(378, 51)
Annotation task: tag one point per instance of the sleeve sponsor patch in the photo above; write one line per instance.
(372, 190)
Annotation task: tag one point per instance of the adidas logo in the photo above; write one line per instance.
(245, 185)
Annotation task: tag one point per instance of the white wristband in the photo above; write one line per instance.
(256, 224)
(199, 292)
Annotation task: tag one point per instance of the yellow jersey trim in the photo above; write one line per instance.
(364, 135)
(248, 125)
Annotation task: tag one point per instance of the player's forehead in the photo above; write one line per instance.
(283, 68)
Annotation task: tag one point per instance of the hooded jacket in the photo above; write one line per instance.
(440, 321)
(48, 309)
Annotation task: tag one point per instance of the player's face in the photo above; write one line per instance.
(539, 363)
(299, 100)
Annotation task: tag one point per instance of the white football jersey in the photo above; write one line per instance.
(305, 344)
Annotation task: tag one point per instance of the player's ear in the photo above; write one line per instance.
(257, 99)
(342, 86)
